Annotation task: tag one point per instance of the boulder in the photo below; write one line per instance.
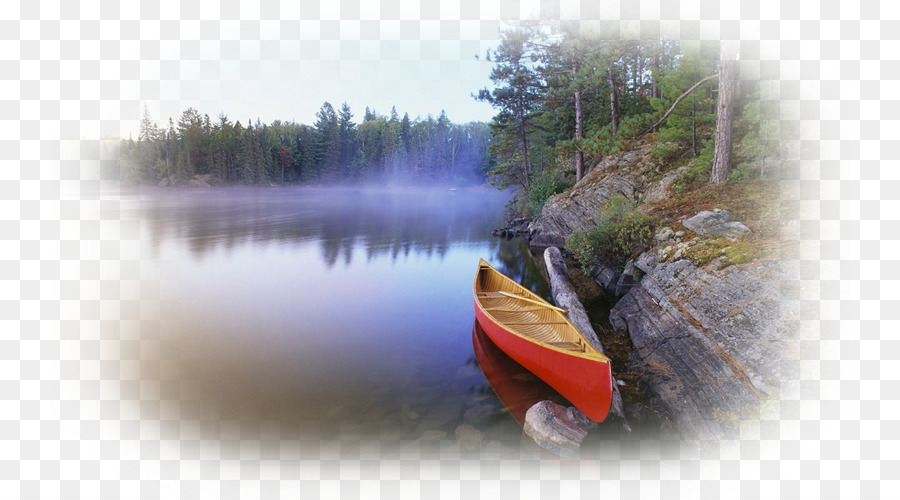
(712, 341)
(556, 428)
(629, 277)
(646, 262)
(607, 278)
(717, 222)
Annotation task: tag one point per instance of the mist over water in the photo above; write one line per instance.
(314, 312)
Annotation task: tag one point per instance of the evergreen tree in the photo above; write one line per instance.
(517, 96)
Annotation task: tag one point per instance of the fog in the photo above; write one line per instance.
(305, 312)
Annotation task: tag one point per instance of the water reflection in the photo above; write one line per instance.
(307, 312)
(516, 387)
(392, 222)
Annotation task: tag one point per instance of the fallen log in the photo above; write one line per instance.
(565, 296)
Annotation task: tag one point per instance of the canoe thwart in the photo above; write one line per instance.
(526, 299)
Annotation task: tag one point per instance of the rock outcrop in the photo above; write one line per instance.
(625, 174)
(711, 340)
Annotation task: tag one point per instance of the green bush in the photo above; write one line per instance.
(544, 184)
(622, 232)
(697, 173)
(634, 125)
(668, 152)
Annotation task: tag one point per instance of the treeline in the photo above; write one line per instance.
(334, 149)
(565, 99)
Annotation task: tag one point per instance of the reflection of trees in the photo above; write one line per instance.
(381, 222)
(516, 260)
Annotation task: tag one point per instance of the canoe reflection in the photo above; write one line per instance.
(517, 388)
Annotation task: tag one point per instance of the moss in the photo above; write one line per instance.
(727, 252)
(742, 252)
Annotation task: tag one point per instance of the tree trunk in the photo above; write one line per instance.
(527, 181)
(721, 166)
(654, 78)
(579, 132)
(613, 101)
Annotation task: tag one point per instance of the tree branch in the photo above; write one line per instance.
(672, 108)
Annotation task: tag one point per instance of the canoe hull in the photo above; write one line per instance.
(585, 382)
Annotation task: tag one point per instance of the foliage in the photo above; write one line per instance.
(689, 129)
(543, 77)
(621, 232)
(551, 83)
(697, 172)
(333, 149)
(516, 97)
(758, 150)
(544, 185)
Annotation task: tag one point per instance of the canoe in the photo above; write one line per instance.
(538, 336)
(515, 387)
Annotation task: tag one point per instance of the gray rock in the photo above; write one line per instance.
(629, 277)
(469, 438)
(646, 261)
(660, 190)
(714, 341)
(664, 234)
(478, 415)
(557, 429)
(607, 278)
(717, 222)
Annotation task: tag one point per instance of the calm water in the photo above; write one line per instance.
(324, 313)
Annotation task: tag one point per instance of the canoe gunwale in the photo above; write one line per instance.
(589, 352)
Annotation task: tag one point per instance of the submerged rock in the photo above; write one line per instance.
(469, 438)
(556, 428)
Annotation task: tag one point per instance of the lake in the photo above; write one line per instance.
(324, 314)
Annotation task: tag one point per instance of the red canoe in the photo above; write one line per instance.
(517, 388)
(540, 337)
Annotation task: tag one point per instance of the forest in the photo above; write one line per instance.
(334, 149)
(565, 99)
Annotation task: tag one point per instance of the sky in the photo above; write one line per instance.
(287, 70)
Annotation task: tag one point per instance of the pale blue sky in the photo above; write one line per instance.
(290, 69)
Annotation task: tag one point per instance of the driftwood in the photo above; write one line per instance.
(565, 296)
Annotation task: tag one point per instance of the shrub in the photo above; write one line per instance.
(697, 173)
(544, 184)
(622, 232)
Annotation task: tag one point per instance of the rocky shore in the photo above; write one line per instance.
(711, 340)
